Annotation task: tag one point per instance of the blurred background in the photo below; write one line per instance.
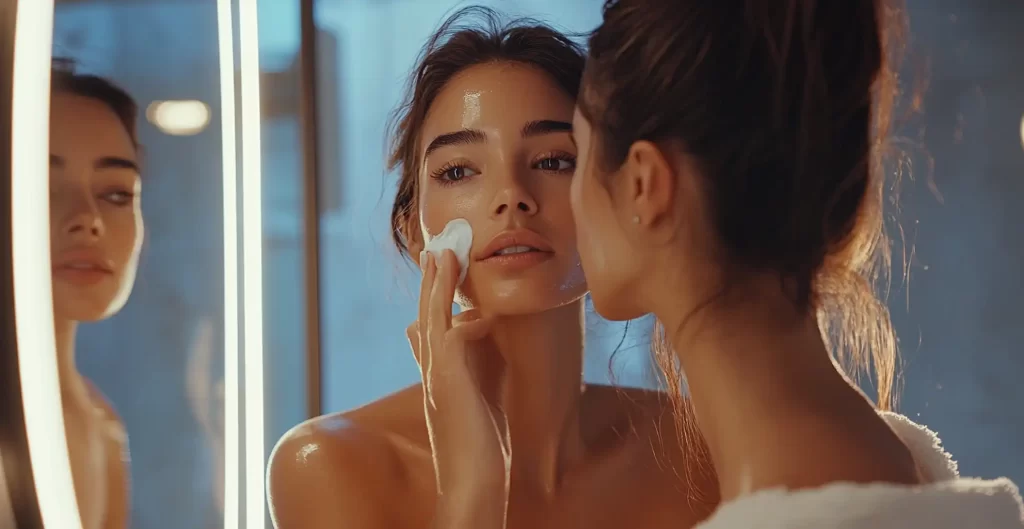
(161, 360)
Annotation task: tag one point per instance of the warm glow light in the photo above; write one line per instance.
(30, 241)
(232, 446)
(179, 118)
(1022, 131)
(252, 263)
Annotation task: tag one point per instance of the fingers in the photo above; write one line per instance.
(439, 319)
(426, 285)
(428, 266)
(470, 325)
(466, 316)
(441, 337)
(412, 333)
(469, 328)
(443, 293)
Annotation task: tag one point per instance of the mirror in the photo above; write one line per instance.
(156, 212)
(244, 210)
(35, 463)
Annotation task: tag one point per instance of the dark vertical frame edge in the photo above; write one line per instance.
(310, 136)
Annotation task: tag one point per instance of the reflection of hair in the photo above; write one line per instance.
(783, 107)
(453, 48)
(65, 78)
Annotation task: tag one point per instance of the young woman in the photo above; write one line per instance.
(729, 183)
(484, 135)
(96, 234)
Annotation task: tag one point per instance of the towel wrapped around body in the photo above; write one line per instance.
(944, 501)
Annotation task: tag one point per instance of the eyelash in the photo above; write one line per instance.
(441, 173)
(127, 198)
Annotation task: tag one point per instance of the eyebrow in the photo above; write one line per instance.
(545, 126)
(106, 162)
(472, 136)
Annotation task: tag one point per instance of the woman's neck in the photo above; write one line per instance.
(540, 393)
(757, 369)
(70, 380)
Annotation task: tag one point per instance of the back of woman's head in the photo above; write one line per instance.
(782, 106)
(471, 36)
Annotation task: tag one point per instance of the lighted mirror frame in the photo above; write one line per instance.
(30, 260)
(250, 194)
(41, 396)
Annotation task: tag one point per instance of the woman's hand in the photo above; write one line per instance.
(468, 434)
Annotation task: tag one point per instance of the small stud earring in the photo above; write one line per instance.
(636, 219)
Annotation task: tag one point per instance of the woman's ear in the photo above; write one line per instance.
(650, 179)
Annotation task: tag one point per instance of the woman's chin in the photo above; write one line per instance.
(85, 308)
(519, 302)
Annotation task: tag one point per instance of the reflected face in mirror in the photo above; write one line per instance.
(497, 150)
(95, 216)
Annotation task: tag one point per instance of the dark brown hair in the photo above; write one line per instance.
(64, 77)
(457, 45)
(784, 107)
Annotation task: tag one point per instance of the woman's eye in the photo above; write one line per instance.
(119, 198)
(556, 164)
(458, 173)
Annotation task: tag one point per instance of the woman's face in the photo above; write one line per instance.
(496, 150)
(610, 261)
(95, 220)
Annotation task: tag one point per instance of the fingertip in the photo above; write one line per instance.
(466, 316)
(475, 329)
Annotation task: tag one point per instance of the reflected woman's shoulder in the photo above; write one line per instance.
(357, 456)
(398, 415)
(671, 456)
(113, 426)
(648, 414)
(637, 404)
(372, 430)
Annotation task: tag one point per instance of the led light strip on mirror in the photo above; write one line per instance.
(251, 262)
(226, 50)
(30, 243)
(44, 421)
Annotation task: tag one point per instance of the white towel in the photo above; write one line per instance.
(947, 501)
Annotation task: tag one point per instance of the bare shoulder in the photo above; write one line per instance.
(645, 413)
(349, 468)
(112, 430)
(115, 445)
(672, 459)
(112, 425)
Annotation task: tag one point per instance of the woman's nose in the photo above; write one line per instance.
(514, 197)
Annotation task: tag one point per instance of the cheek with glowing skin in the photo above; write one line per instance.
(588, 239)
(575, 279)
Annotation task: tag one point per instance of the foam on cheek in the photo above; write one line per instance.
(457, 236)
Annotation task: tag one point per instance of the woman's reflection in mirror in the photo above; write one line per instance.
(484, 135)
(96, 233)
